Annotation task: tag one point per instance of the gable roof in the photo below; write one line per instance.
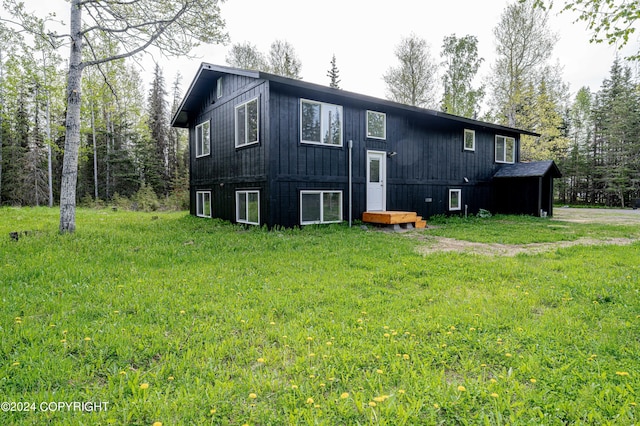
(207, 75)
(533, 169)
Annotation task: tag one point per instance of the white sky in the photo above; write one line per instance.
(364, 33)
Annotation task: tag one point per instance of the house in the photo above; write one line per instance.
(269, 150)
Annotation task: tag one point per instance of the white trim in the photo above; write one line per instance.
(383, 177)
(513, 152)
(246, 123)
(199, 143)
(245, 193)
(321, 193)
(200, 204)
(384, 137)
(459, 192)
(464, 140)
(323, 126)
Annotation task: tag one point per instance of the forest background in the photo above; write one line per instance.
(131, 157)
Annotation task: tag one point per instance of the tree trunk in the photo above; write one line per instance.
(1, 112)
(95, 153)
(72, 138)
(49, 161)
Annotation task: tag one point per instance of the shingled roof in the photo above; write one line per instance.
(533, 169)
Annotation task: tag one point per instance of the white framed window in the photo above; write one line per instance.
(247, 125)
(320, 207)
(203, 203)
(376, 125)
(469, 140)
(320, 123)
(248, 207)
(203, 139)
(455, 199)
(505, 149)
(219, 88)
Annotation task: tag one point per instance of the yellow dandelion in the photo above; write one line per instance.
(622, 373)
(394, 333)
(309, 339)
(493, 381)
(294, 387)
(436, 406)
(444, 345)
(116, 312)
(386, 327)
(483, 365)
(405, 356)
(401, 391)
(87, 339)
(157, 423)
(15, 364)
(372, 404)
(272, 323)
(212, 411)
(311, 355)
(122, 373)
(309, 400)
(144, 386)
(63, 340)
(344, 395)
(532, 380)
(261, 360)
(252, 396)
(387, 335)
(316, 406)
(182, 312)
(18, 321)
(170, 378)
(494, 395)
(329, 343)
(508, 355)
(379, 399)
(462, 388)
(379, 371)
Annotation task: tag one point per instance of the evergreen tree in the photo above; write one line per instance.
(334, 74)
(158, 172)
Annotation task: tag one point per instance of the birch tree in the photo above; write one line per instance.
(175, 27)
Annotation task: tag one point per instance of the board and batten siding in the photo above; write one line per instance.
(227, 168)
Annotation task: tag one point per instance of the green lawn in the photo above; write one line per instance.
(185, 321)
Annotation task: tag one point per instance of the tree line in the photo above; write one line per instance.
(128, 152)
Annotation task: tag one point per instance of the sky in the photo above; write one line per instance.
(364, 33)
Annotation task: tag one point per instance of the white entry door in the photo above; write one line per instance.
(376, 180)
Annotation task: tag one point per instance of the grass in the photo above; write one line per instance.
(173, 319)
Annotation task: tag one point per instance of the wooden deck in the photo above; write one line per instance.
(401, 219)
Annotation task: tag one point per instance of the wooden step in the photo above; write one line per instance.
(389, 217)
(420, 223)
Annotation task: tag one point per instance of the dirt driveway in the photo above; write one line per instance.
(613, 216)
(610, 216)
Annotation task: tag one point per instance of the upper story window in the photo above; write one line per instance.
(376, 125)
(247, 123)
(505, 149)
(320, 123)
(203, 139)
(469, 140)
(219, 88)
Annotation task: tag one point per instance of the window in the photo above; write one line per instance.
(248, 207)
(203, 139)
(505, 149)
(247, 123)
(320, 207)
(455, 199)
(469, 140)
(219, 88)
(376, 125)
(320, 123)
(203, 203)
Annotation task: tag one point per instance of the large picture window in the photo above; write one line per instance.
(320, 123)
(376, 125)
(248, 207)
(320, 207)
(203, 139)
(247, 123)
(203, 203)
(505, 149)
(455, 199)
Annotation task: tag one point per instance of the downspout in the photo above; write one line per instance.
(350, 173)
